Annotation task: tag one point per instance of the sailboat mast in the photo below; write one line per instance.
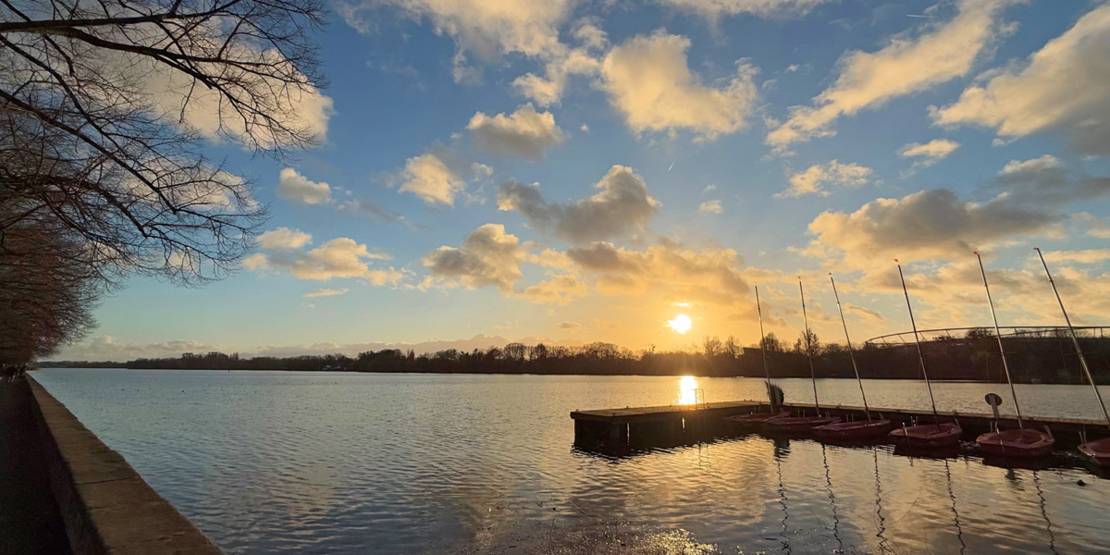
(998, 335)
(762, 337)
(851, 354)
(1074, 338)
(917, 341)
(771, 397)
(809, 348)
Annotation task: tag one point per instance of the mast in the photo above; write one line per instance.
(763, 349)
(809, 348)
(1074, 338)
(851, 355)
(917, 341)
(998, 335)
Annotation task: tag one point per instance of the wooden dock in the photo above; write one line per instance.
(633, 428)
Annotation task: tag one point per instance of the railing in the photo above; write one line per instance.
(961, 333)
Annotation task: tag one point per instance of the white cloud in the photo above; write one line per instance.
(488, 29)
(906, 65)
(668, 270)
(953, 291)
(283, 238)
(650, 83)
(339, 258)
(590, 34)
(714, 9)
(106, 347)
(559, 289)
(1042, 164)
(711, 207)
(488, 256)
(297, 188)
(1080, 256)
(302, 108)
(256, 262)
(926, 224)
(1096, 227)
(937, 224)
(318, 293)
(1063, 86)
(428, 177)
(930, 152)
(368, 208)
(811, 180)
(621, 207)
(548, 89)
(525, 133)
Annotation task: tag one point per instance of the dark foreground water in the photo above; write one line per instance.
(331, 462)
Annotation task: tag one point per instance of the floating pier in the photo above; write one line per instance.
(627, 429)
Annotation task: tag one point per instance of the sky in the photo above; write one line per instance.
(576, 171)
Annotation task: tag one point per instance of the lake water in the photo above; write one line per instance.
(420, 463)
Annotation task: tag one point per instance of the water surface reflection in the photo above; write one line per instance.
(269, 462)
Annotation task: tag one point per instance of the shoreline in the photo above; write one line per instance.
(567, 374)
(63, 490)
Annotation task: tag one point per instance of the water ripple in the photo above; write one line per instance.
(353, 463)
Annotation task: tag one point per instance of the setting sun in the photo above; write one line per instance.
(680, 324)
(424, 277)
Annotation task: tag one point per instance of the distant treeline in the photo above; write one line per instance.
(1033, 358)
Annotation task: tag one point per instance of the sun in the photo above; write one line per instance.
(680, 324)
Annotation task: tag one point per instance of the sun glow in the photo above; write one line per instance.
(681, 324)
(687, 390)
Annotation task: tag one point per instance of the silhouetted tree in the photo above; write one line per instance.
(47, 290)
(539, 352)
(712, 347)
(100, 104)
(772, 344)
(514, 351)
(731, 347)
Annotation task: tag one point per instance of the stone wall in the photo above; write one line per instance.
(106, 506)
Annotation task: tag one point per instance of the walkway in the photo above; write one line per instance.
(29, 518)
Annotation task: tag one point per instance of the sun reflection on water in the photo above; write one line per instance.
(687, 390)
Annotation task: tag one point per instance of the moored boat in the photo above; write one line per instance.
(1024, 443)
(1097, 451)
(858, 430)
(928, 436)
(924, 436)
(802, 424)
(753, 420)
(797, 424)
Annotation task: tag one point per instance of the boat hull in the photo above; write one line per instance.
(753, 420)
(1097, 451)
(928, 436)
(860, 430)
(1016, 443)
(797, 424)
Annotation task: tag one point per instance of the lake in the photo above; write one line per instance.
(426, 463)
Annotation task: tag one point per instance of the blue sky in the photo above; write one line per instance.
(695, 148)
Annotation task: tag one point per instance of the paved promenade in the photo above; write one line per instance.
(29, 518)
